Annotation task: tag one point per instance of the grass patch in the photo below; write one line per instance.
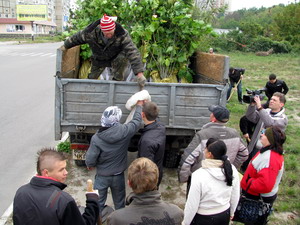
(57, 38)
(258, 69)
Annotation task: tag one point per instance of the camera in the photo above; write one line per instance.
(251, 94)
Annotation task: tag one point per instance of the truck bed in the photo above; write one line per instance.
(79, 103)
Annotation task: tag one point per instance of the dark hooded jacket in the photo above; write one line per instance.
(43, 202)
(106, 51)
(152, 144)
(108, 148)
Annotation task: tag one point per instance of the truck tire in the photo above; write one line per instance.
(172, 158)
(80, 162)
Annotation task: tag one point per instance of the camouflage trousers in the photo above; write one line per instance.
(120, 68)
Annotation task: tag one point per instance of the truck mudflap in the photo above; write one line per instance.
(78, 152)
(80, 143)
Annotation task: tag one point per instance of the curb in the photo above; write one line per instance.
(8, 212)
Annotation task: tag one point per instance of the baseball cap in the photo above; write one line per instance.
(221, 113)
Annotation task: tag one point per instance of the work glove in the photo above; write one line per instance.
(63, 48)
(141, 81)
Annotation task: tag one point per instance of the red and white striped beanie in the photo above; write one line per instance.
(107, 24)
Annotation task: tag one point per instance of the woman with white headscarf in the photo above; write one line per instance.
(108, 152)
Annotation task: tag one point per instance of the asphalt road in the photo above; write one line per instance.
(26, 112)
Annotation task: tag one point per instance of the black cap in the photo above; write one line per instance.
(219, 112)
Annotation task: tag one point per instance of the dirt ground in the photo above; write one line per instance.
(172, 191)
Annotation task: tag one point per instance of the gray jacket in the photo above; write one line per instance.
(146, 208)
(268, 118)
(264, 118)
(237, 151)
(108, 148)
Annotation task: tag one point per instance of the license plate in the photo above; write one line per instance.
(79, 154)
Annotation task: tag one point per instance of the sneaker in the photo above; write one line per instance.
(241, 102)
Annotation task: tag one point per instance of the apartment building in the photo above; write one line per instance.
(57, 18)
(202, 4)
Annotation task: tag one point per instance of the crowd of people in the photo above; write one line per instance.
(209, 165)
(212, 164)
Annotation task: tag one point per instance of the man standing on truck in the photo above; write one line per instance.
(111, 46)
(108, 152)
(237, 151)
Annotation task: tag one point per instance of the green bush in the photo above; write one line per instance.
(296, 48)
(164, 31)
(224, 42)
(64, 147)
(281, 46)
(261, 44)
(236, 40)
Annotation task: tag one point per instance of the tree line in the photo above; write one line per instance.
(168, 32)
(259, 29)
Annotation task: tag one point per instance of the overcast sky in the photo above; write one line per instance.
(240, 4)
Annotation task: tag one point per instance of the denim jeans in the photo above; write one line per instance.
(239, 90)
(116, 184)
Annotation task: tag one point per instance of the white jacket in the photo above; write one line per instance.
(209, 193)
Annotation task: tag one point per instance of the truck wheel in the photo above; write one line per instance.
(80, 162)
(172, 158)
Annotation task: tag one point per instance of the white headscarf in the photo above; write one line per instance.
(111, 116)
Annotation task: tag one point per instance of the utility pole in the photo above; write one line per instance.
(32, 32)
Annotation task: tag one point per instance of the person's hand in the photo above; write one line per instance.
(140, 102)
(257, 101)
(254, 101)
(90, 168)
(92, 194)
(141, 80)
(246, 136)
(63, 48)
(241, 77)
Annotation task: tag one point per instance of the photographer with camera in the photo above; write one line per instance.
(272, 116)
(235, 78)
